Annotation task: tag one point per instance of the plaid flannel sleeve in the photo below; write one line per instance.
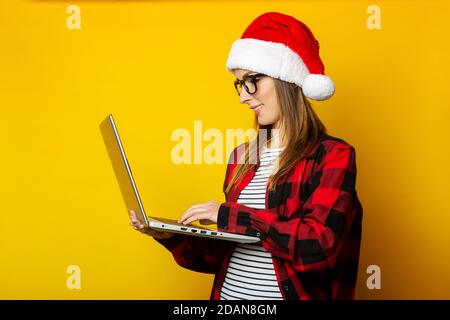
(311, 241)
(196, 253)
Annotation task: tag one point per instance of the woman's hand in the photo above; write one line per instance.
(206, 213)
(145, 229)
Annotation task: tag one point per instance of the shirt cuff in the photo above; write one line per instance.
(223, 218)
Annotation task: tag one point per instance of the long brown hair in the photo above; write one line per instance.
(302, 131)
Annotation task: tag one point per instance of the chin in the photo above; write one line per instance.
(263, 122)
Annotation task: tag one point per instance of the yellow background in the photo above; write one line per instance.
(160, 65)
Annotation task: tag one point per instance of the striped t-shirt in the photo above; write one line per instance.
(250, 274)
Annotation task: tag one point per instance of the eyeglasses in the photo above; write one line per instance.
(248, 82)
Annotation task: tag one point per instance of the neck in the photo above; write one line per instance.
(276, 140)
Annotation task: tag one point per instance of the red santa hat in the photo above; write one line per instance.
(282, 47)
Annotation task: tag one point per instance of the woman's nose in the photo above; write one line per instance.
(244, 96)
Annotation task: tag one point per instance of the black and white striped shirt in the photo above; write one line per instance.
(250, 274)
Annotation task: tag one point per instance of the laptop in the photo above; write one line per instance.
(133, 202)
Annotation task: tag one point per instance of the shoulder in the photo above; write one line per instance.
(329, 145)
(329, 142)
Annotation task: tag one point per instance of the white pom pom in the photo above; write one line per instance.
(318, 87)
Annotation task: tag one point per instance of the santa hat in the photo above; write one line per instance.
(282, 47)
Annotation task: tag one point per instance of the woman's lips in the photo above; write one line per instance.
(257, 110)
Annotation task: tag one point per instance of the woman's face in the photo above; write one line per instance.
(265, 97)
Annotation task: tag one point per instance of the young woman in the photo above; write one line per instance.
(305, 209)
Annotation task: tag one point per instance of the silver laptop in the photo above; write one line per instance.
(133, 201)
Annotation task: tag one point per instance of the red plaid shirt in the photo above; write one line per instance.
(312, 227)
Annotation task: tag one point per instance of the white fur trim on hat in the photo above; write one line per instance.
(318, 87)
(278, 61)
(271, 58)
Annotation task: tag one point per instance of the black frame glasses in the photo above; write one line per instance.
(253, 78)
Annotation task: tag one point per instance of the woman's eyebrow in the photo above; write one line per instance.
(246, 74)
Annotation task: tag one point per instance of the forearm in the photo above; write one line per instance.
(196, 253)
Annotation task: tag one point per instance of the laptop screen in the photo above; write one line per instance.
(122, 169)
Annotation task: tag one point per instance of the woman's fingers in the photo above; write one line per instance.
(195, 217)
(210, 209)
(191, 212)
(195, 209)
(134, 222)
(133, 217)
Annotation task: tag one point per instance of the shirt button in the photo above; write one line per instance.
(286, 288)
(258, 234)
